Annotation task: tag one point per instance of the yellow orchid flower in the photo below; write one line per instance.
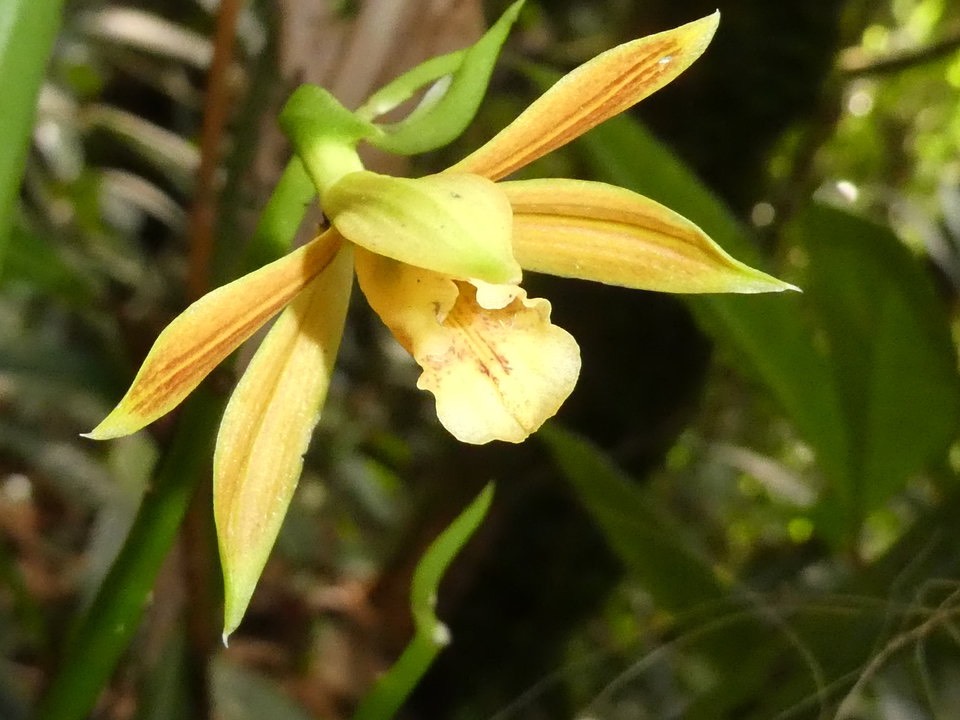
(439, 259)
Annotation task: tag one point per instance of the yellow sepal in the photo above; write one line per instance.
(599, 232)
(209, 330)
(597, 90)
(267, 426)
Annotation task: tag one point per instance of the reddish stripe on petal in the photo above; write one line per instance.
(194, 362)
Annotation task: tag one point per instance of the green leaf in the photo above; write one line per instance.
(651, 545)
(878, 399)
(430, 569)
(168, 152)
(888, 339)
(430, 634)
(769, 335)
(444, 113)
(27, 32)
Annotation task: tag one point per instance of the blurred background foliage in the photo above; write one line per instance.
(747, 509)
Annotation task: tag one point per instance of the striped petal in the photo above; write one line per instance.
(496, 373)
(267, 426)
(594, 231)
(597, 90)
(209, 330)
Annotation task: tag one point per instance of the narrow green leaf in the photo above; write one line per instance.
(430, 570)
(430, 635)
(650, 544)
(168, 152)
(27, 32)
(444, 114)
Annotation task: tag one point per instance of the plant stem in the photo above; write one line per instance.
(395, 686)
(281, 217)
(215, 112)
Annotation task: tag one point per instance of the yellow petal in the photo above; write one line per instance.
(209, 330)
(457, 225)
(597, 90)
(267, 426)
(594, 231)
(496, 374)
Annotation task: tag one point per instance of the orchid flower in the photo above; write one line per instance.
(440, 259)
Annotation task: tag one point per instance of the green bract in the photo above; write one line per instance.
(325, 134)
(443, 115)
(312, 111)
(402, 88)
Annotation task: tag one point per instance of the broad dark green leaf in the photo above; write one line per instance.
(889, 344)
(652, 546)
(878, 398)
(768, 336)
